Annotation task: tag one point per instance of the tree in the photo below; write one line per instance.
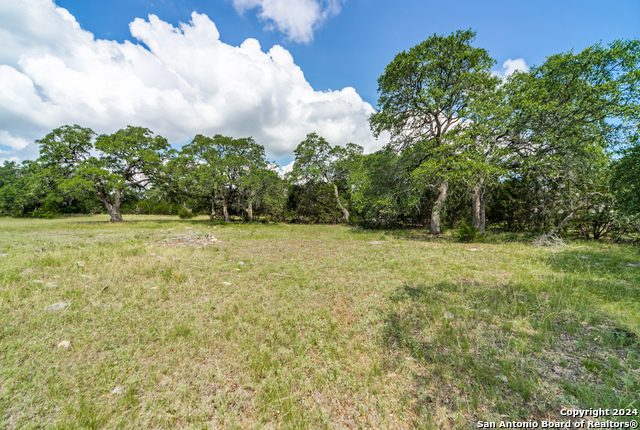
(261, 188)
(484, 149)
(384, 193)
(568, 114)
(240, 160)
(625, 182)
(201, 169)
(61, 152)
(128, 158)
(317, 160)
(424, 94)
(15, 189)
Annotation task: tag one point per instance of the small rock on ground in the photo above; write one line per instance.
(58, 306)
(64, 344)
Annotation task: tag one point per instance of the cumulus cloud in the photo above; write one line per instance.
(295, 18)
(283, 170)
(510, 66)
(182, 82)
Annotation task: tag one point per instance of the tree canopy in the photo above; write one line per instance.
(541, 150)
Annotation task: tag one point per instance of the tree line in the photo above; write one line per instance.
(554, 147)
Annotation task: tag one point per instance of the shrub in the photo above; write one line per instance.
(467, 233)
(185, 213)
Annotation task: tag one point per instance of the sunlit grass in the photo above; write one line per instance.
(305, 326)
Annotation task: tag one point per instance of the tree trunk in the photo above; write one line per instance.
(112, 208)
(483, 209)
(225, 206)
(213, 207)
(116, 215)
(250, 211)
(479, 206)
(345, 212)
(437, 208)
(476, 206)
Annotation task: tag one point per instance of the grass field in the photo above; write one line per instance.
(152, 324)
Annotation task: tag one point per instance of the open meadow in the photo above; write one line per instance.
(164, 323)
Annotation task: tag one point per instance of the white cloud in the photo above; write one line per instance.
(510, 66)
(187, 82)
(282, 171)
(11, 141)
(296, 18)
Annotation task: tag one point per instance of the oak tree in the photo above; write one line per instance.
(424, 93)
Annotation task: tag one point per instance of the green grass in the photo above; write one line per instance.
(321, 327)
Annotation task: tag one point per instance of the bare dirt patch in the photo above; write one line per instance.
(196, 240)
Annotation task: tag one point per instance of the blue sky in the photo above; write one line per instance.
(353, 47)
(68, 77)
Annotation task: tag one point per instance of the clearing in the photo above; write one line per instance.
(162, 323)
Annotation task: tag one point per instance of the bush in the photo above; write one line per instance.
(185, 213)
(467, 233)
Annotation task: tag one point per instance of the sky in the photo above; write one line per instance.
(275, 70)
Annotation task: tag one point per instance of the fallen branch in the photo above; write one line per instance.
(566, 219)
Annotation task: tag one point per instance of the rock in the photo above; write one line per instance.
(226, 283)
(64, 344)
(502, 378)
(448, 315)
(118, 390)
(241, 264)
(164, 381)
(58, 306)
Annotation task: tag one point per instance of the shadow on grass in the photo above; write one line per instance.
(422, 234)
(611, 274)
(164, 219)
(483, 352)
